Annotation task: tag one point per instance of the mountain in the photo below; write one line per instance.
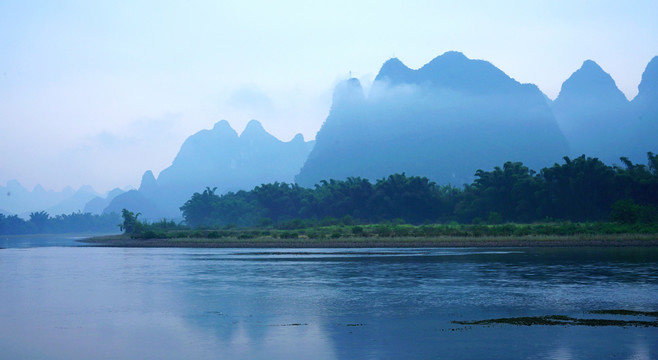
(138, 202)
(648, 88)
(445, 120)
(16, 199)
(98, 204)
(73, 203)
(594, 115)
(645, 109)
(216, 158)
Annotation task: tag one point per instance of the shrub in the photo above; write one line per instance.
(150, 234)
(625, 212)
(357, 230)
(288, 235)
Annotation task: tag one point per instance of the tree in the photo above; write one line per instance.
(130, 223)
(582, 189)
(510, 193)
(200, 210)
(39, 220)
(283, 201)
(414, 199)
(336, 199)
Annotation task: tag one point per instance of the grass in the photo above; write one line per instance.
(301, 240)
(396, 235)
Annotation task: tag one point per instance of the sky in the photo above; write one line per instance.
(97, 92)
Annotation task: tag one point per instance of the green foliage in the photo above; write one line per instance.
(208, 210)
(625, 212)
(628, 212)
(582, 189)
(143, 230)
(357, 230)
(41, 222)
(131, 225)
(152, 234)
(288, 235)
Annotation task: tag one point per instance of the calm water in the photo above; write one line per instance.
(63, 302)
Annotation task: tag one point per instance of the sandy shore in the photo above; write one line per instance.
(648, 240)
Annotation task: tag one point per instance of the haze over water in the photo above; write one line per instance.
(80, 303)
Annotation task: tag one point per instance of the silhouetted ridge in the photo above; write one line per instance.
(395, 71)
(217, 158)
(645, 110)
(444, 121)
(299, 138)
(348, 92)
(18, 200)
(597, 119)
(148, 181)
(254, 127)
(649, 84)
(452, 70)
(222, 126)
(456, 71)
(591, 84)
(646, 102)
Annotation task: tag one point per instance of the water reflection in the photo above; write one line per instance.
(332, 304)
(42, 240)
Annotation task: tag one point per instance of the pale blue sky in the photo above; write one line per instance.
(97, 92)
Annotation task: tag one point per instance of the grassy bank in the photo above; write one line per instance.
(395, 235)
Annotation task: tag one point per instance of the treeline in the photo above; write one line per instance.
(147, 230)
(42, 223)
(582, 189)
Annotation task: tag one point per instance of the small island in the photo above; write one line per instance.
(582, 202)
(391, 235)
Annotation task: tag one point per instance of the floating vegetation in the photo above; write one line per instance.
(564, 320)
(626, 312)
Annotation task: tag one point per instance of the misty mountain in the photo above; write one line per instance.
(444, 121)
(645, 110)
(595, 116)
(98, 204)
(136, 201)
(216, 158)
(74, 203)
(16, 199)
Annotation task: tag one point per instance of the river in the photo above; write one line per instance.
(62, 301)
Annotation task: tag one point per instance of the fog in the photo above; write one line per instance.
(218, 159)
(444, 121)
(78, 80)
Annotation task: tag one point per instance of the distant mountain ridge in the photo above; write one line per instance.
(17, 200)
(645, 109)
(216, 158)
(452, 70)
(599, 121)
(444, 121)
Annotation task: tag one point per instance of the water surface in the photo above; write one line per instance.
(85, 302)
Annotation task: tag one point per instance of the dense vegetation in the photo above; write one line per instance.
(311, 231)
(579, 190)
(146, 230)
(42, 223)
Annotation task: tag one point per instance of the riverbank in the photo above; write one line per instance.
(604, 240)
